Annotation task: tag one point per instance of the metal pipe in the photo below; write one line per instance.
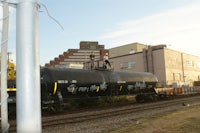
(4, 66)
(28, 68)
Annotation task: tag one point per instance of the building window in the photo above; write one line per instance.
(198, 64)
(93, 47)
(176, 76)
(127, 65)
(189, 63)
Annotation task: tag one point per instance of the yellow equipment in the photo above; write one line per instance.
(11, 71)
(11, 68)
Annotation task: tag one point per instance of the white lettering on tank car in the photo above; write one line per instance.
(74, 81)
(62, 81)
(121, 82)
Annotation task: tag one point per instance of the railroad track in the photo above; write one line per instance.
(112, 112)
(53, 121)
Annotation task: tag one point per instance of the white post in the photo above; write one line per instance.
(4, 66)
(28, 68)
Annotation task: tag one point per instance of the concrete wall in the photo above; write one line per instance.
(126, 49)
(181, 67)
(159, 65)
(136, 60)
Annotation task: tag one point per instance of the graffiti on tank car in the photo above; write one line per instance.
(93, 88)
(103, 86)
(130, 87)
(83, 89)
(72, 88)
(140, 85)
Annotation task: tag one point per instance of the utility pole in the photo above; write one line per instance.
(28, 67)
(4, 66)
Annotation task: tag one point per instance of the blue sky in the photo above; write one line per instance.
(114, 23)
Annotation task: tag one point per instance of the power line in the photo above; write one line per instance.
(52, 17)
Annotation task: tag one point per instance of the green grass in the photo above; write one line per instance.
(183, 121)
(192, 126)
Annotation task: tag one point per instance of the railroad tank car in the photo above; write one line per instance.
(59, 84)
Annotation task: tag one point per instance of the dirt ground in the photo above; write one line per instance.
(186, 120)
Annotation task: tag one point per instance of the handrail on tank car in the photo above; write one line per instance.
(97, 65)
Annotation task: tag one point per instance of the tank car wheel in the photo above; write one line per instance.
(139, 99)
(162, 96)
(152, 98)
(155, 98)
